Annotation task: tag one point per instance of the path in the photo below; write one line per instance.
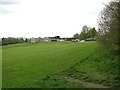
(85, 84)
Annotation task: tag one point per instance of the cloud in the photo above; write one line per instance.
(4, 11)
(34, 18)
(6, 2)
(5, 5)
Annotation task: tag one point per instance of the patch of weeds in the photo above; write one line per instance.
(56, 82)
(100, 67)
(85, 77)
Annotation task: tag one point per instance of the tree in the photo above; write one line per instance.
(11, 40)
(26, 40)
(21, 40)
(108, 23)
(84, 32)
(92, 33)
(76, 35)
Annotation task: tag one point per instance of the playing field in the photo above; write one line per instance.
(40, 64)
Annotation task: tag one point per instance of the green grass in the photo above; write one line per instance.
(36, 65)
(101, 67)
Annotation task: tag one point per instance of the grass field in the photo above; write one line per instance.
(58, 65)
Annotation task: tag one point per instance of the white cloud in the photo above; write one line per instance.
(39, 18)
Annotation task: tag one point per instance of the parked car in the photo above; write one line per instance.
(75, 40)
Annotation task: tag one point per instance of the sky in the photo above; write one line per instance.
(46, 18)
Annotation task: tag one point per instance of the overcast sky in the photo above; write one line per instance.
(40, 18)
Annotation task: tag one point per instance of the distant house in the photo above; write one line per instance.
(73, 39)
(61, 40)
(53, 39)
(47, 39)
(34, 40)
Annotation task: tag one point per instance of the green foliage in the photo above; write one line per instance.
(108, 20)
(20, 40)
(76, 35)
(86, 33)
(92, 33)
(53, 81)
(11, 40)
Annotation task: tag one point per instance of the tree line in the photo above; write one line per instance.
(11, 40)
(108, 32)
(86, 33)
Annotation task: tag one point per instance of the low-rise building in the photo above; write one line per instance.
(34, 40)
(52, 39)
(47, 39)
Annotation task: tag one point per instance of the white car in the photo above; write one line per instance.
(82, 41)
